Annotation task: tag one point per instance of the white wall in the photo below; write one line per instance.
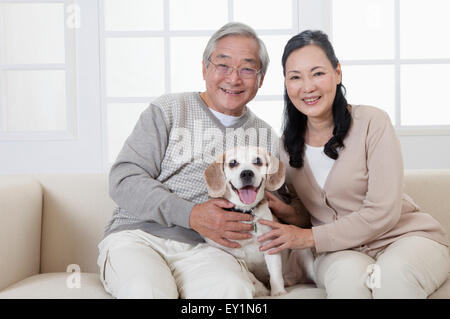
(85, 152)
(420, 152)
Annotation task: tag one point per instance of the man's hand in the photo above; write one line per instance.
(211, 221)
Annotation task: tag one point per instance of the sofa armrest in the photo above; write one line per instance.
(20, 228)
(429, 188)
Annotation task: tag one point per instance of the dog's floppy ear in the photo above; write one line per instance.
(215, 178)
(275, 173)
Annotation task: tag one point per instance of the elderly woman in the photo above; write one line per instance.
(344, 165)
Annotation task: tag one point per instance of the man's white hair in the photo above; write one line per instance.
(237, 28)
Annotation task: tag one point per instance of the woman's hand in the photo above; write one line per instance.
(283, 211)
(284, 236)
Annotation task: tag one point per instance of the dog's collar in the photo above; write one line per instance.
(250, 211)
(232, 209)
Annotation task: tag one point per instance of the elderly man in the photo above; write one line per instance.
(154, 247)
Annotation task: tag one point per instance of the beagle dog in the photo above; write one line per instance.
(241, 175)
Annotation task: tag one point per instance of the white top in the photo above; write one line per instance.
(320, 163)
(226, 120)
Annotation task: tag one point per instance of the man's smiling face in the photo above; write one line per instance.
(228, 94)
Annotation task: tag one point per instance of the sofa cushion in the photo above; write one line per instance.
(304, 291)
(20, 228)
(76, 209)
(301, 291)
(429, 189)
(54, 286)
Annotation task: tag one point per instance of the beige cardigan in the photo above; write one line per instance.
(362, 205)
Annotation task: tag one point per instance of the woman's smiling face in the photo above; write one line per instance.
(311, 81)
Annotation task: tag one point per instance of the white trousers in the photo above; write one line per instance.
(411, 267)
(135, 264)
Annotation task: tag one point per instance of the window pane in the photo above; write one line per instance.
(133, 15)
(32, 33)
(134, 67)
(122, 118)
(363, 29)
(186, 64)
(371, 85)
(35, 100)
(269, 111)
(423, 90)
(198, 14)
(274, 79)
(424, 29)
(264, 14)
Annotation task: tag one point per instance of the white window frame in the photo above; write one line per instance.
(397, 62)
(70, 84)
(83, 146)
(167, 34)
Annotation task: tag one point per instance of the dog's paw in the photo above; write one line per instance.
(278, 292)
(260, 289)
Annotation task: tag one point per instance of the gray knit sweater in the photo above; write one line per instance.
(158, 175)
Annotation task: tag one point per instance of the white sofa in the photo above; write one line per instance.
(49, 222)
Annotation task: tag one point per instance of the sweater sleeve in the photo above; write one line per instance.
(132, 179)
(381, 208)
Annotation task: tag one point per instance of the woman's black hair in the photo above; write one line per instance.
(294, 124)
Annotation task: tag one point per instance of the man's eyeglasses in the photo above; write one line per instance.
(244, 73)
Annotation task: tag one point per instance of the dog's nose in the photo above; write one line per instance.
(247, 175)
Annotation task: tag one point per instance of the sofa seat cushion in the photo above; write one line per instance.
(54, 286)
(305, 291)
(301, 291)
(312, 292)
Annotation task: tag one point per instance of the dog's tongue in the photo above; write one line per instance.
(247, 194)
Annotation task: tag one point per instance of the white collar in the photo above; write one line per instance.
(226, 120)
